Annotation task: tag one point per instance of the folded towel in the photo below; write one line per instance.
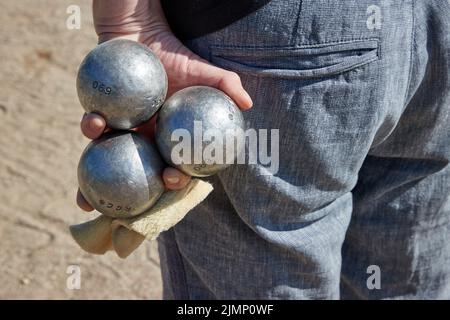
(125, 235)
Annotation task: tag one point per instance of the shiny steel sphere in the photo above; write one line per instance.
(215, 111)
(120, 174)
(123, 81)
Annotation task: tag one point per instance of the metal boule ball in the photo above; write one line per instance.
(212, 122)
(120, 174)
(123, 81)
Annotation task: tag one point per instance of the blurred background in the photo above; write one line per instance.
(40, 144)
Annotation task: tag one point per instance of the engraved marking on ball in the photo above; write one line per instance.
(101, 87)
(117, 207)
(200, 167)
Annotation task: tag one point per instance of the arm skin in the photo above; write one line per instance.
(144, 21)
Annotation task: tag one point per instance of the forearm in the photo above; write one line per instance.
(133, 19)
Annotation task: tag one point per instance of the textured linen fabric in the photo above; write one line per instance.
(359, 90)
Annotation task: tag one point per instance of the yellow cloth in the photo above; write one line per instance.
(125, 235)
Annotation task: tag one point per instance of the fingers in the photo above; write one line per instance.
(227, 81)
(230, 83)
(82, 203)
(92, 125)
(184, 69)
(175, 179)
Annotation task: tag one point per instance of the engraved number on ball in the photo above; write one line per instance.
(199, 167)
(231, 112)
(101, 87)
(116, 207)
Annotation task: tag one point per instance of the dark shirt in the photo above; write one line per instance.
(189, 19)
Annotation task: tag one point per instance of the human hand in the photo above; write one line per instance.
(144, 21)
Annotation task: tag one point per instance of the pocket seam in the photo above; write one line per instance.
(302, 46)
(223, 53)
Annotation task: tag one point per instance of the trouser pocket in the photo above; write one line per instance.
(308, 61)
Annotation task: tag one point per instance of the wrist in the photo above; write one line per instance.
(139, 20)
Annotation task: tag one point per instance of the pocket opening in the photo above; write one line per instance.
(306, 61)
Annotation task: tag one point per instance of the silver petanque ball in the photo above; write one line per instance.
(123, 81)
(200, 131)
(120, 174)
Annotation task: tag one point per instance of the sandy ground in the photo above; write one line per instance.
(40, 144)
